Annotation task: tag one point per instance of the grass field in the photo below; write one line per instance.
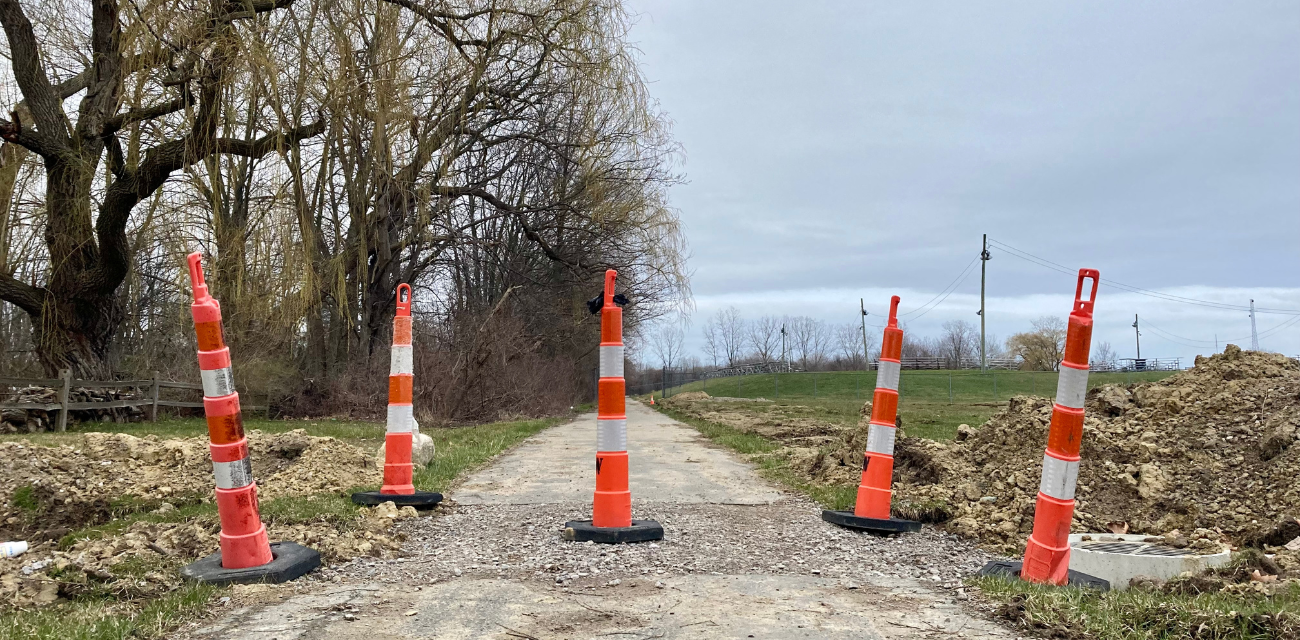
(458, 451)
(932, 403)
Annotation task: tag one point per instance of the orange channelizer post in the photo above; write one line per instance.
(399, 471)
(1047, 555)
(871, 511)
(246, 555)
(611, 520)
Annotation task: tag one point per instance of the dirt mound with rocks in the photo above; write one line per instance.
(141, 562)
(1207, 453)
(45, 492)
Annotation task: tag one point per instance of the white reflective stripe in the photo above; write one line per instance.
(611, 435)
(887, 376)
(611, 361)
(233, 475)
(880, 439)
(1059, 478)
(400, 361)
(218, 382)
(1071, 387)
(400, 418)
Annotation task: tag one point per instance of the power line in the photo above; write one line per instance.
(947, 291)
(1169, 297)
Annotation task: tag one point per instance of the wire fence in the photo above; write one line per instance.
(952, 386)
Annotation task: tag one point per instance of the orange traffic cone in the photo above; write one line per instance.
(398, 468)
(871, 511)
(611, 520)
(245, 555)
(652, 400)
(1047, 555)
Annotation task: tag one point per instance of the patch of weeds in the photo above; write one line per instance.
(24, 499)
(1143, 613)
(317, 508)
(97, 619)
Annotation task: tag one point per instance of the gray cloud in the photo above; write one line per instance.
(849, 146)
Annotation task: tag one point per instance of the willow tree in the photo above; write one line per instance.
(147, 101)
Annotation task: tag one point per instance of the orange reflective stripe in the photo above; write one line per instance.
(225, 429)
(612, 401)
(884, 406)
(1065, 433)
(209, 335)
(1078, 339)
(402, 330)
(400, 389)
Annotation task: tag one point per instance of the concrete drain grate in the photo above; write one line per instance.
(1120, 558)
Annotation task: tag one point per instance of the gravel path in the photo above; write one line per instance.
(740, 558)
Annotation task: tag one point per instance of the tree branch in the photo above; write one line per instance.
(26, 61)
(22, 295)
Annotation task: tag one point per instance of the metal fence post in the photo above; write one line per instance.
(64, 392)
(153, 397)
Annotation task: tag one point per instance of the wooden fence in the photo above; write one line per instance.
(64, 385)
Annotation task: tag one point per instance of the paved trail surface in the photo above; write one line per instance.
(740, 559)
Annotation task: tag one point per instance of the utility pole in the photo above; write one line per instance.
(783, 365)
(984, 263)
(1254, 337)
(866, 358)
(1137, 336)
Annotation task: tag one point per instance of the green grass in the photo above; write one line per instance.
(457, 451)
(768, 456)
(102, 619)
(1144, 613)
(932, 403)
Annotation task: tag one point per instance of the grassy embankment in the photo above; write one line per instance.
(458, 451)
(931, 403)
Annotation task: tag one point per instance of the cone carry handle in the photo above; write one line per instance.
(403, 306)
(1084, 307)
(199, 285)
(610, 275)
(893, 311)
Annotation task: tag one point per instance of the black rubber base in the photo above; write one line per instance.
(419, 499)
(871, 525)
(640, 531)
(290, 560)
(1011, 568)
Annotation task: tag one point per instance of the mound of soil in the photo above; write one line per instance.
(141, 562)
(45, 492)
(1209, 451)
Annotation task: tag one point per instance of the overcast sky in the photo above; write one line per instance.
(837, 150)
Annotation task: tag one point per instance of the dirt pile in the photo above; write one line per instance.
(1207, 451)
(45, 492)
(141, 561)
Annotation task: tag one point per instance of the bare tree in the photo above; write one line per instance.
(765, 338)
(667, 344)
(730, 332)
(1103, 354)
(848, 345)
(712, 342)
(960, 342)
(810, 339)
